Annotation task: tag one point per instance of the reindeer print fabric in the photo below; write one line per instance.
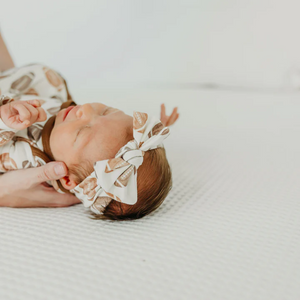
(29, 82)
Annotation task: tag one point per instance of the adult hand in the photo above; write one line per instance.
(168, 120)
(28, 187)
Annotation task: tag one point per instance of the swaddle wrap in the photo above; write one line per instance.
(29, 82)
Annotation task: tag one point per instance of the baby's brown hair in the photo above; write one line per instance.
(154, 181)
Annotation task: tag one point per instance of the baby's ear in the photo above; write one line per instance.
(68, 182)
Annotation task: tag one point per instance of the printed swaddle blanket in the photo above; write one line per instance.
(35, 81)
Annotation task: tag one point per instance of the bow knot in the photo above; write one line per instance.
(134, 157)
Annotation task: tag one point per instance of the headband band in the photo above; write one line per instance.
(116, 179)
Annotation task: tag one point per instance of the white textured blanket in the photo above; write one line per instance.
(228, 230)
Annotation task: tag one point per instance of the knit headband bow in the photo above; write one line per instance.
(116, 179)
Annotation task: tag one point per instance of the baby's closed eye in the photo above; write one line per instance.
(81, 130)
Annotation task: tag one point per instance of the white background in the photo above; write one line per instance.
(230, 226)
(111, 44)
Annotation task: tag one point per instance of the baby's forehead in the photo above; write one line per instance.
(98, 105)
(112, 127)
(104, 144)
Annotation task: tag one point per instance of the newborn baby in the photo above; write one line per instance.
(53, 127)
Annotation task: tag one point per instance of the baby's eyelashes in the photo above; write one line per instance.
(109, 109)
(80, 130)
(106, 110)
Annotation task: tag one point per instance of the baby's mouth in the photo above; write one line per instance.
(67, 111)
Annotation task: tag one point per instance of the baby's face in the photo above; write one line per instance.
(91, 131)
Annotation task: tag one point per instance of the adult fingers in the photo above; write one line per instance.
(61, 200)
(40, 196)
(50, 171)
(29, 180)
(51, 198)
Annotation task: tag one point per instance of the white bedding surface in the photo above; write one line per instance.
(228, 230)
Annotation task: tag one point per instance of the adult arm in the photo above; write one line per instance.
(6, 61)
(27, 188)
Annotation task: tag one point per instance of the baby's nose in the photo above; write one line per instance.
(84, 111)
(79, 113)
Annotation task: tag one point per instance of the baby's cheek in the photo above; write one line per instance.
(57, 144)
